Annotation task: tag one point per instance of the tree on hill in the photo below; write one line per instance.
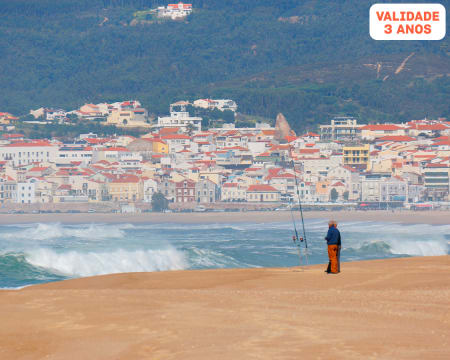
(269, 56)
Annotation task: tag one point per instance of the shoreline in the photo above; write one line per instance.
(380, 309)
(404, 217)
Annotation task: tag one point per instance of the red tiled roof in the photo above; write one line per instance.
(261, 188)
(37, 168)
(310, 134)
(13, 136)
(308, 151)
(117, 148)
(29, 144)
(65, 187)
(169, 130)
(429, 127)
(338, 184)
(175, 136)
(396, 138)
(268, 132)
(94, 141)
(443, 142)
(381, 127)
(290, 138)
(126, 178)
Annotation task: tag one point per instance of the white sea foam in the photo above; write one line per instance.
(39, 232)
(74, 263)
(402, 247)
(207, 258)
(419, 248)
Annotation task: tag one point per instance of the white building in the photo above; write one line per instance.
(341, 128)
(180, 119)
(70, 153)
(150, 187)
(220, 104)
(26, 192)
(174, 11)
(23, 153)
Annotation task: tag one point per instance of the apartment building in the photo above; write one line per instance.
(340, 128)
(357, 156)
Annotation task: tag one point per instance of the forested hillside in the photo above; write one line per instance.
(310, 59)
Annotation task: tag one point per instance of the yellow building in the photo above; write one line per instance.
(128, 118)
(357, 156)
(127, 188)
(160, 147)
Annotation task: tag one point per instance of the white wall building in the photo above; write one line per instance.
(150, 187)
(24, 153)
(220, 104)
(174, 11)
(26, 192)
(70, 153)
(180, 119)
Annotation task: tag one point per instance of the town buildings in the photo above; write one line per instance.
(375, 164)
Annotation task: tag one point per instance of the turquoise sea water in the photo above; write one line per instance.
(37, 253)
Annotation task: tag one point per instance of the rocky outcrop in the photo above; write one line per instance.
(282, 128)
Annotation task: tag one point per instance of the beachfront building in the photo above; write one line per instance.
(262, 193)
(150, 187)
(126, 188)
(26, 192)
(232, 192)
(167, 188)
(185, 191)
(8, 189)
(206, 192)
(437, 181)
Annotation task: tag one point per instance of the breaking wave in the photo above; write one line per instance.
(75, 263)
(36, 253)
(55, 231)
(403, 247)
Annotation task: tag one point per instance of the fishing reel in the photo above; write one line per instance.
(294, 239)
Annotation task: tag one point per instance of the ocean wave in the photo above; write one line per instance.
(401, 247)
(75, 263)
(207, 258)
(40, 232)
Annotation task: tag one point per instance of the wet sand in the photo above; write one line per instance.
(407, 217)
(382, 309)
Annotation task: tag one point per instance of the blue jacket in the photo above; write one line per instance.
(333, 236)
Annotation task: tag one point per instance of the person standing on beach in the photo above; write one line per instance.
(333, 239)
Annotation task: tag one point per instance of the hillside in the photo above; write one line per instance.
(310, 59)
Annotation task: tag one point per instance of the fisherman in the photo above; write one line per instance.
(333, 239)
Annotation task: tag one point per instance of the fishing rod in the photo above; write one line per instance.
(300, 207)
(295, 237)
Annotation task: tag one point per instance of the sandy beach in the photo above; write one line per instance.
(382, 309)
(406, 217)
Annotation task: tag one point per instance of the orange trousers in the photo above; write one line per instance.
(333, 256)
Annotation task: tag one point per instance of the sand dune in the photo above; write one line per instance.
(383, 309)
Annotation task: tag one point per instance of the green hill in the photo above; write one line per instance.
(310, 59)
